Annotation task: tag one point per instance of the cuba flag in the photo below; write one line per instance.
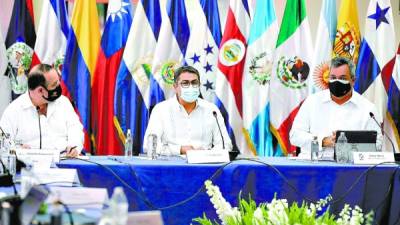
(132, 88)
(80, 60)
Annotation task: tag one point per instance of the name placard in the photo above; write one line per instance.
(39, 158)
(58, 176)
(207, 156)
(145, 218)
(372, 157)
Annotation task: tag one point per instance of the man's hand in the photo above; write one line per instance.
(185, 148)
(329, 141)
(72, 152)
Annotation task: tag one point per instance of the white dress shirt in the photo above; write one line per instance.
(174, 127)
(60, 127)
(320, 116)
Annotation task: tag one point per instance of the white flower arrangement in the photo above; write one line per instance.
(278, 212)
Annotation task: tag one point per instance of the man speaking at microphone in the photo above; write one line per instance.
(42, 117)
(339, 108)
(185, 121)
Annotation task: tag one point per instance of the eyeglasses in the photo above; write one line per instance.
(187, 83)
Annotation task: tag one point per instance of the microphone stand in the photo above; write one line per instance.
(383, 132)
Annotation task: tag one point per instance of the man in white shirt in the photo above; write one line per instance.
(186, 122)
(339, 108)
(42, 117)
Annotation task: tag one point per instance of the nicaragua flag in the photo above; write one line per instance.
(293, 57)
(257, 75)
(202, 50)
(51, 40)
(323, 46)
(231, 62)
(132, 88)
(393, 115)
(170, 50)
(376, 59)
(115, 35)
(80, 60)
(20, 40)
(5, 97)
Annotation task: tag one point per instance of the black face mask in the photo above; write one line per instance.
(339, 89)
(53, 94)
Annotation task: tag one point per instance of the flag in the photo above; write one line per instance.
(393, 115)
(257, 75)
(293, 56)
(115, 35)
(51, 40)
(347, 41)
(132, 90)
(20, 42)
(377, 57)
(170, 50)
(80, 60)
(4, 80)
(231, 62)
(202, 50)
(323, 46)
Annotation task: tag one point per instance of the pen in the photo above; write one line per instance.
(65, 151)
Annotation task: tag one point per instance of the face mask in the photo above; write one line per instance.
(339, 88)
(190, 94)
(53, 94)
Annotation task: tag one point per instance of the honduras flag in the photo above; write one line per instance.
(258, 69)
(132, 88)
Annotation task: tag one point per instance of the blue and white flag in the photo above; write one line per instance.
(170, 50)
(256, 78)
(5, 97)
(132, 91)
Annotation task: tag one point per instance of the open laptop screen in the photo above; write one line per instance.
(31, 204)
(359, 136)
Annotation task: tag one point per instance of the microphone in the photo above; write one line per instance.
(384, 133)
(219, 128)
(40, 128)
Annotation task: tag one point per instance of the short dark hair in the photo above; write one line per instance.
(183, 69)
(340, 61)
(36, 76)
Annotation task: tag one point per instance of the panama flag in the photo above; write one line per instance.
(5, 97)
(347, 41)
(256, 78)
(80, 60)
(115, 35)
(323, 46)
(202, 50)
(376, 58)
(132, 90)
(20, 41)
(293, 56)
(51, 39)
(170, 50)
(231, 62)
(393, 116)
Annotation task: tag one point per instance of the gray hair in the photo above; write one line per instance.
(340, 61)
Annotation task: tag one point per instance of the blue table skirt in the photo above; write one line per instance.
(165, 183)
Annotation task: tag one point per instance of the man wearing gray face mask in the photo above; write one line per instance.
(339, 108)
(185, 121)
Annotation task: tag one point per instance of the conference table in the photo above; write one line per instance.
(176, 187)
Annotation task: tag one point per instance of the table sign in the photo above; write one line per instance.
(372, 157)
(65, 177)
(39, 158)
(145, 218)
(207, 156)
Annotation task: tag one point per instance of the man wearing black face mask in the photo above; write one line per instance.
(42, 117)
(339, 108)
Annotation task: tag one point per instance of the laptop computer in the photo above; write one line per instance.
(31, 204)
(360, 140)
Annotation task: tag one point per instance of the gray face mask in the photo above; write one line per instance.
(190, 94)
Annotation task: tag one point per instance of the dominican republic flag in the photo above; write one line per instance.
(229, 79)
(5, 97)
(20, 41)
(293, 57)
(376, 59)
(51, 40)
(80, 60)
(202, 50)
(323, 46)
(132, 88)
(115, 35)
(393, 116)
(170, 50)
(347, 41)
(257, 76)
